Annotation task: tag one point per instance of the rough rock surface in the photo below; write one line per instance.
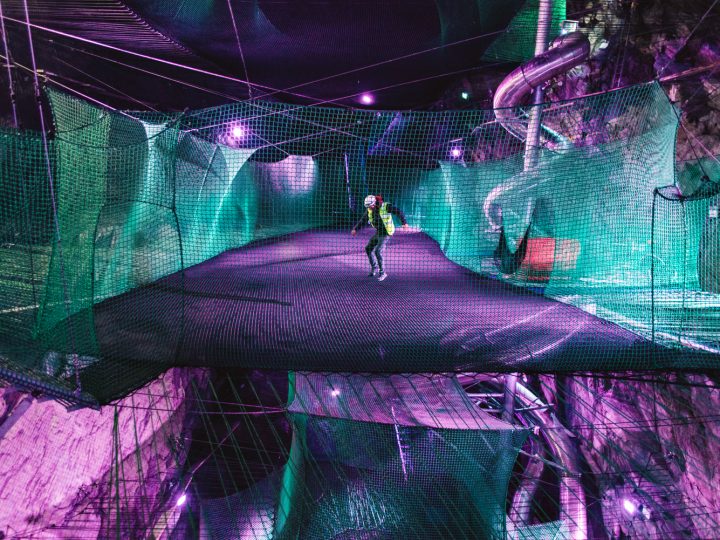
(71, 474)
(635, 41)
(654, 444)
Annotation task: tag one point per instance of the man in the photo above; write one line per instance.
(379, 215)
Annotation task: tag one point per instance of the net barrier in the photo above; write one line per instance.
(222, 237)
(256, 454)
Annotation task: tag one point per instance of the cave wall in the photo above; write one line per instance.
(654, 443)
(78, 473)
(634, 41)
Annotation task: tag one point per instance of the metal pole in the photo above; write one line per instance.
(509, 401)
(541, 44)
(11, 88)
(531, 146)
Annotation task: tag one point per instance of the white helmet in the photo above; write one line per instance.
(370, 201)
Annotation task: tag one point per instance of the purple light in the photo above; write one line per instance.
(335, 393)
(237, 131)
(234, 134)
(181, 500)
(456, 152)
(367, 99)
(629, 506)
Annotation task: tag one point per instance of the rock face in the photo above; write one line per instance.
(638, 41)
(651, 450)
(94, 474)
(635, 41)
(649, 447)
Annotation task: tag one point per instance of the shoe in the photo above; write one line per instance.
(373, 272)
(381, 276)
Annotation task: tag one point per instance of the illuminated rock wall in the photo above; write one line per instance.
(59, 470)
(652, 449)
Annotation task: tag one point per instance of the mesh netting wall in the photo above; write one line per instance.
(25, 235)
(686, 263)
(454, 481)
(517, 43)
(221, 237)
(377, 457)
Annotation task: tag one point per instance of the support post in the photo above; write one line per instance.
(534, 126)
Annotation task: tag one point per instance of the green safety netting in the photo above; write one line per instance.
(406, 456)
(687, 267)
(411, 457)
(252, 455)
(220, 236)
(517, 43)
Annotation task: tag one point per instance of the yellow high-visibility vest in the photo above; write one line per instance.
(386, 218)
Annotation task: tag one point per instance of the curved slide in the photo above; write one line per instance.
(566, 52)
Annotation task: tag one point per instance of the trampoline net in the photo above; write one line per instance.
(222, 237)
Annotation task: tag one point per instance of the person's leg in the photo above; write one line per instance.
(370, 250)
(379, 250)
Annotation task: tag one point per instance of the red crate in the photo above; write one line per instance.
(542, 255)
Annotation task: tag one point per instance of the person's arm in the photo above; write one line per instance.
(399, 213)
(360, 224)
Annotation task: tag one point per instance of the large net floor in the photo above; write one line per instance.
(307, 299)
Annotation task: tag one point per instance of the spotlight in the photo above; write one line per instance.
(182, 499)
(335, 393)
(629, 506)
(234, 134)
(465, 95)
(367, 98)
(456, 152)
(237, 131)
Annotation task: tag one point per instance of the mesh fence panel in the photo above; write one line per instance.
(407, 456)
(26, 234)
(221, 237)
(684, 294)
